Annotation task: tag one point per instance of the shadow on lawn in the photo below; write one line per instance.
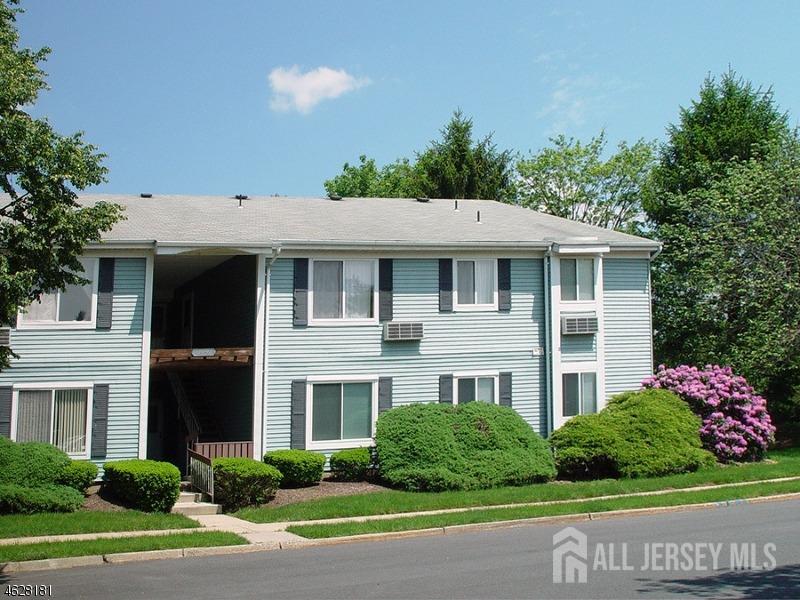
(783, 582)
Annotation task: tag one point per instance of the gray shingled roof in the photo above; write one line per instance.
(215, 220)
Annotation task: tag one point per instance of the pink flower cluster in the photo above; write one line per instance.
(736, 424)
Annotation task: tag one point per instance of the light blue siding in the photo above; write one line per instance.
(578, 348)
(628, 328)
(112, 357)
(452, 342)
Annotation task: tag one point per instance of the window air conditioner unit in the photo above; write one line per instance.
(579, 325)
(401, 332)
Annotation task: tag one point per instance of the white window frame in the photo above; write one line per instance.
(343, 321)
(477, 375)
(595, 274)
(457, 305)
(580, 372)
(23, 325)
(340, 379)
(52, 387)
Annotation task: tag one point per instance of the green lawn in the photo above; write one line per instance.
(20, 552)
(85, 521)
(503, 514)
(787, 464)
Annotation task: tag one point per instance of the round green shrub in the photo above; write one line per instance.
(648, 433)
(31, 463)
(300, 468)
(20, 499)
(148, 485)
(240, 482)
(352, 464)
(79, 475)
(435, 447)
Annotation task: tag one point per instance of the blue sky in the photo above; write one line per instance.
(264, 97)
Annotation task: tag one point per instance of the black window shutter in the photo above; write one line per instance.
(385, 289)
(105, 293)
(384, 394)
(99, 421)
(5, 336)
(446, 389)
(505, 389)
(5, 410)
(445, 285)
(504, 284)
(298, 434)
(301, 291)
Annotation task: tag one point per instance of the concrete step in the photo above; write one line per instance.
(190, 497)
(196, 508)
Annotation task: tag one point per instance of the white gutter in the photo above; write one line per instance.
(548, 344)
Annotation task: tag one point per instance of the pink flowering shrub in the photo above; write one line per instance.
(736, 425)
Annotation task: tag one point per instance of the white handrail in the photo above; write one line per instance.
(184, 407)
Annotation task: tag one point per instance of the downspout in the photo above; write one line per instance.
(548, 351)
(276, 250)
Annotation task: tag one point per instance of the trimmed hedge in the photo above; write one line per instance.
(31, 463)
(352, 464)
(148, 485)
(648, 433)
(434, 447)
(20, 499)
(300, 468)
(79, 475)
(240, 482)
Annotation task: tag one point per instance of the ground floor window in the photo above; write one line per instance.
(579, 391)
(54, 416)
(342, 411)
(480, 388)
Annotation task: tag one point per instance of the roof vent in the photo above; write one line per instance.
(423, 199)
(145, 195)
(241, 196)
(334, 197)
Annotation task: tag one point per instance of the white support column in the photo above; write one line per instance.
(258, 356)
(601, 332)
(144, 380)
(555, 336)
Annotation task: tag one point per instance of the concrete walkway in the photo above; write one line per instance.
(255, 533)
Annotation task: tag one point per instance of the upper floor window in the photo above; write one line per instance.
(577, 279)
(343, 290)
(478, 388)
(579, 391)
(476, 284)
(75, 305)
(54, 416)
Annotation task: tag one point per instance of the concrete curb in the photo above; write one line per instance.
(125, 557)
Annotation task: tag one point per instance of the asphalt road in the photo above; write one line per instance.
(506, 563)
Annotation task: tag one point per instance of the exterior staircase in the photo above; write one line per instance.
(194, 503)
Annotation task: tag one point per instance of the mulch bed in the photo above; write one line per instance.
(325, 489)
(99, 500)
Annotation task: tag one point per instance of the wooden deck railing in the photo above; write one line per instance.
(201, 473)
(213, 450)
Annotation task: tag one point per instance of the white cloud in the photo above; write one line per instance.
(568, 103)
(294, 90)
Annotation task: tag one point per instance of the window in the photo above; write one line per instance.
(75, 305)
(476, 284)
(343, 290)
(579, 391)
(577, 279)
(477, 388)
(55, 416)
(342, 412)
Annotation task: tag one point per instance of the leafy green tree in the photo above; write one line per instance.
(455, 166)
(366, 180)
(42, 228)
(571, 179)
(724, 202)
